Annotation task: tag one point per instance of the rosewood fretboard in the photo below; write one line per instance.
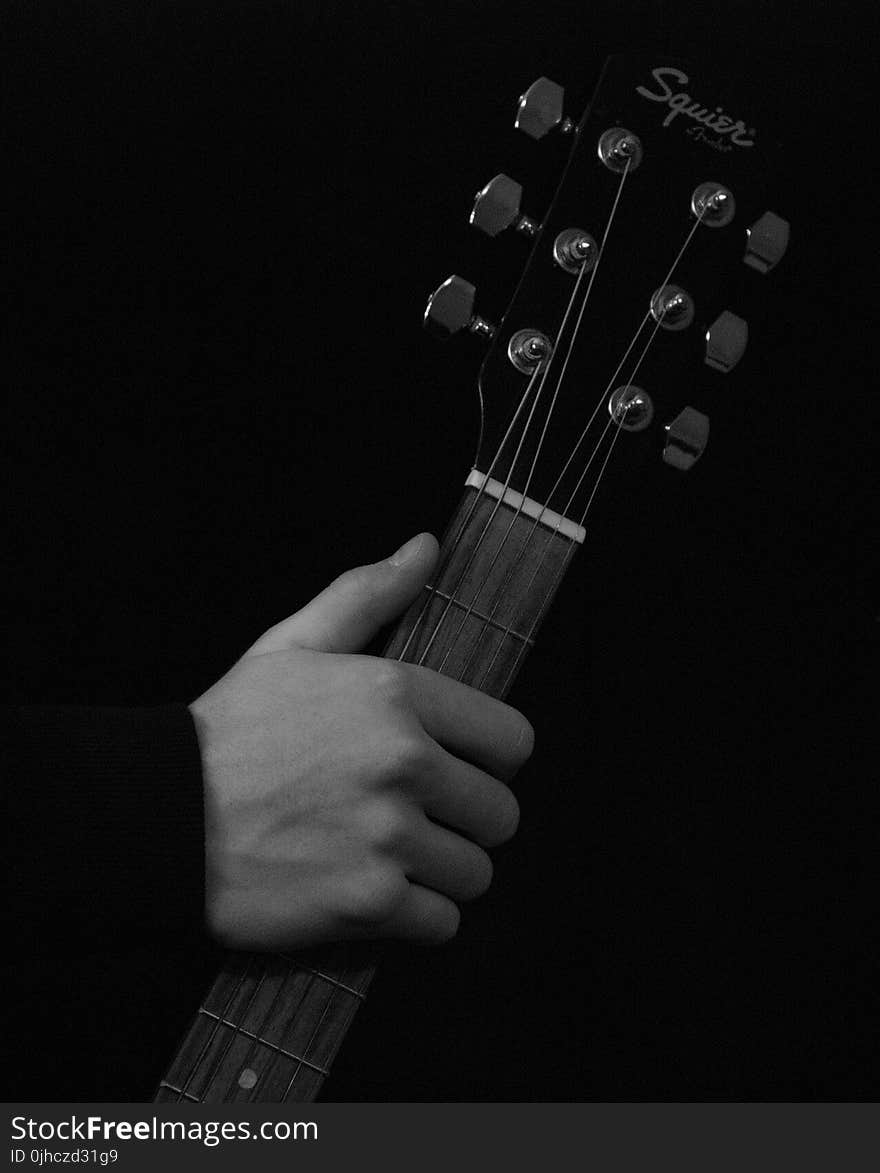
(270, 1026)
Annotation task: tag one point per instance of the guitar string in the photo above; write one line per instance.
(545, 374)
(259, 1031)
(303, 1059)
(218, 1063)
(498, 598)
(540, 370)
(468, 610)
(453, 546)
(525, 398)
(335, 992)
(235, 1031)
(289, 970)
(556, 578)
(239, 985)
(499, 594)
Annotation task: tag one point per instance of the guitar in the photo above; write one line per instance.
(626, 334)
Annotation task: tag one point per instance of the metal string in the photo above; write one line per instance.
(453, 546)
(545, 371)
(555, 581)
(259, 1031)
(499, 594)
(216, 1026)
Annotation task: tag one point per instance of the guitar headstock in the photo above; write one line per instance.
(629, 329)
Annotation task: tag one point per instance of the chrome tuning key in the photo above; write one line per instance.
(726, 341)
(496, 207)
(686, 439)
(766, 242)
(450, 309)
(540, 110)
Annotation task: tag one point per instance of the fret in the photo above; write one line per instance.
(169, 1094)
(270, 1026)
(263, 1042)
(479, 615)
(504, 568)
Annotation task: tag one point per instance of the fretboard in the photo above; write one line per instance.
(270, 1026)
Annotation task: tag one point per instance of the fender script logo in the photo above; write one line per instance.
(735, 130)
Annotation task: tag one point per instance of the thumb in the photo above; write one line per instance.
(347, 614)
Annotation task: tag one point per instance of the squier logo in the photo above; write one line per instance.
(727, 130)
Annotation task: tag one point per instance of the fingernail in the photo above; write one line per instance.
(407, 551)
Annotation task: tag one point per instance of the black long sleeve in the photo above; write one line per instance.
(105, 829)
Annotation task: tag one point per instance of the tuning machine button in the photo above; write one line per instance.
(766, 242)
(496, 207)
(540, 110)
(686, 439)
(726, 341)
(450, 309)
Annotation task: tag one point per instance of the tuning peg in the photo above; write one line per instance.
(450, 309)
(766, 242)
(686, 439)
(726, 341)
(539, 110)
(496, 207)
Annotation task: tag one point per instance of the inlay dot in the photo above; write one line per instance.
(248, 1078)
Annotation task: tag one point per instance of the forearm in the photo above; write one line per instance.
(105, 827)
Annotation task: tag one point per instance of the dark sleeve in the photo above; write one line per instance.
(105, 828)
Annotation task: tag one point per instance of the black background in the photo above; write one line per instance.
(223, 223)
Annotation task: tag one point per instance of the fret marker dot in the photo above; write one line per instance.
(248, 1078)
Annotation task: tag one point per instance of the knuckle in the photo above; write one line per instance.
(374, 895)
(385, 823)
(387, 680)
(410, 754)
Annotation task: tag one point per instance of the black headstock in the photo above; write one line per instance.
(629, 329)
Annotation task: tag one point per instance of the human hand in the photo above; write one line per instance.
(348, 796)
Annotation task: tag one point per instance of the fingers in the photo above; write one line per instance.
(469, 723)
(464, 797)
(424, 916)
(446, 862)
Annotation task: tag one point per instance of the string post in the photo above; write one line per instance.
(713, 204)
(672, 307)
(631, 408)
(620, 150)
(574, 250)
(528, 349)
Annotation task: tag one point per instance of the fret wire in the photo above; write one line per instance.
(326, 977)
(453, 545)
(486, 619)
(179, 1092)
(266, 1017)
(499, 593)
(264, 1042)
(311, 987)
(557, 578)
(236, 990)
(307, 995)
(222, 1056)
(317, 1027)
